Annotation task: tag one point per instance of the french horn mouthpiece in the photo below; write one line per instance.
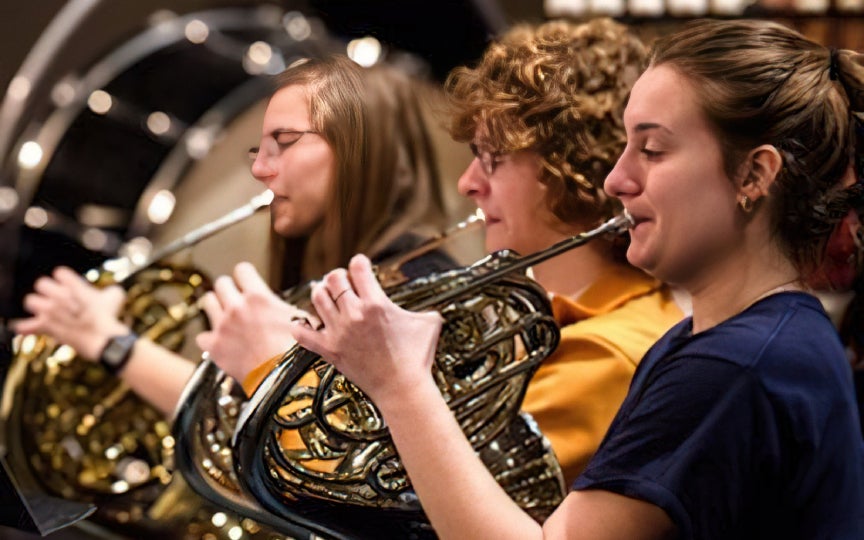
(627, 220)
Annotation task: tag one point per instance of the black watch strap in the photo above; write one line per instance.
(117, 352)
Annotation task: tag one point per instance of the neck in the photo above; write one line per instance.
(757, 274)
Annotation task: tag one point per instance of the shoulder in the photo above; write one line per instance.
(788, 326)
(774, 342)
(653, 309)
(783, 353)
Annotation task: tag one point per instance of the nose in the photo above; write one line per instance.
(473, 182)
(262, 168)
(622, 179)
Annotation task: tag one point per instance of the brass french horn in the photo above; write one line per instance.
(311, 452)
(76, 432)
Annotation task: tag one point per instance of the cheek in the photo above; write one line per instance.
(317, 201)
(691, 190)
(701, 224)
(313, 174)
(530, 201)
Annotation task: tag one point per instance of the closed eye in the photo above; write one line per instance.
(286, 138)
(651, 154)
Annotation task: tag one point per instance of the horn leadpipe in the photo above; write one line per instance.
(615, 225)
(256, 203)
(390, 271)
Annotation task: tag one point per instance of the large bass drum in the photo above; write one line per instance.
(165, 117)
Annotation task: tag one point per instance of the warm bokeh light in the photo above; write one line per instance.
(161, 207)
(365, 51)
(158, 123)
(30, 155)
(196, 31)
(100, 102)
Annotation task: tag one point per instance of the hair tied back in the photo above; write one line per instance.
(833, 70)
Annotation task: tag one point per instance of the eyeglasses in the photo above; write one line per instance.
(277, 142)
(488, 160)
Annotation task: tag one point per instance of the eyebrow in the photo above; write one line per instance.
(646, 126)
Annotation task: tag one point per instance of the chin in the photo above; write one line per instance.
(285, 228)
(640, 259)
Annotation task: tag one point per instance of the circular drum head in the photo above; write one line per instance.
(159, 126)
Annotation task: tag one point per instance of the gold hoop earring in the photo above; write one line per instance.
(746, 204)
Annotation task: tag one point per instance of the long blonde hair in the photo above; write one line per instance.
(387, 177)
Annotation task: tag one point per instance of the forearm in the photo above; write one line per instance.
(157, 375)
(458, 493)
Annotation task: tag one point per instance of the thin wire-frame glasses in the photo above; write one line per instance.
(277, 142)
(488, 160)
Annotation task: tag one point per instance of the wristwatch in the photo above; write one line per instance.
(117, 352)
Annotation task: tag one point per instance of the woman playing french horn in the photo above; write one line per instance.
(542, 111)
(327, 121)
(741, 421)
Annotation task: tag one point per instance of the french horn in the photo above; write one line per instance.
(308, 451)
(76, 432)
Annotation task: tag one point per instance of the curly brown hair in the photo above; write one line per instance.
(558, 89)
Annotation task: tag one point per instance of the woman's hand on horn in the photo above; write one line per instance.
(74, 312)
(380, 347)
(249, 323)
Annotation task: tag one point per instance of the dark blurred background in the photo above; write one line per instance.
(76, 184)
(91, 178)
(123, 124)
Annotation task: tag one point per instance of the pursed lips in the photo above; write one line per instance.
(489, 219)
(637, 219)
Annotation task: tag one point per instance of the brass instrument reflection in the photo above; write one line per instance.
(77, 432)
(311, 450)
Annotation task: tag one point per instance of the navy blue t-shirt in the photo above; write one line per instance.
(746, 430)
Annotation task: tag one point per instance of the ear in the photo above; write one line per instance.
(760, 169)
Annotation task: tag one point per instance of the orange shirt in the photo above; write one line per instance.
(254, 378)
(576, 391)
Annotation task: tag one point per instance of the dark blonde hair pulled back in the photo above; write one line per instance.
(760, 82)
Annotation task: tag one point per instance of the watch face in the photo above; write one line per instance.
(117, 351)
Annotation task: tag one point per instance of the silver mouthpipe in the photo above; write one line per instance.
(207, 230)
(128, 268)
(614, 226)
(619, 223)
